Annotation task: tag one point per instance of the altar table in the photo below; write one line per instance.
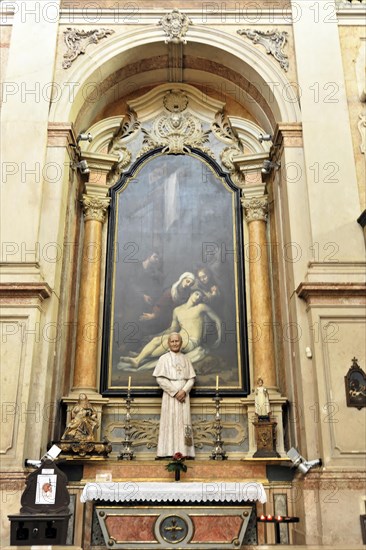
(184, 515)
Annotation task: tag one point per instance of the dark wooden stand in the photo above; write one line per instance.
(265, 435)
(42, 524)
(38, 529)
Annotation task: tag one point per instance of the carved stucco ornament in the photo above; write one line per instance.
(273, 41)
(95, 208)
(77, 40)
(117, 147)
(175, 25)
(221, 127)
(175, 101)
(177, 131)
(226, 156)
(144, 433)
(255, 208)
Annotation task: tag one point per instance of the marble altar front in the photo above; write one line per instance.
(165, 514)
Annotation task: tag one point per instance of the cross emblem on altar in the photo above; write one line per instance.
(173, 529)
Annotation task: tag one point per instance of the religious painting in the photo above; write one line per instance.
(174, 264)
(355, 381)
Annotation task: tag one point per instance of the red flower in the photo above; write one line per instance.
(178, 456)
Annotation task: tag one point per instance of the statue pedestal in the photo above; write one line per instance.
(265, 434)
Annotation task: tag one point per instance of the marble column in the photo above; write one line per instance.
(88, 329)
(256, 214)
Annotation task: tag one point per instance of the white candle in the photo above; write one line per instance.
(217, 382)
(129, 383)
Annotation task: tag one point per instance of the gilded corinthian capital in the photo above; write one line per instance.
(255, 208)
(95, 208)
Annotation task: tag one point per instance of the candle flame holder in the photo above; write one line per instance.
(127, 452)
(218, 452)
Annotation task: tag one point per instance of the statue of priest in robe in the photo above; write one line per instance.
(175, 375)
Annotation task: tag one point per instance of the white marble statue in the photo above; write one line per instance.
(261, 400)
(175, 375)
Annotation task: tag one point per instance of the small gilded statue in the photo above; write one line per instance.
(83, 421)
(261, 401)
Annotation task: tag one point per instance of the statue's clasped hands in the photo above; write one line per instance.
(181, 396)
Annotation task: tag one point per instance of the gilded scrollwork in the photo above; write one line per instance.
(204, 433)
(176, 133)
(222, 129)
(77, 40)
(117, 146)
(255, 208)
(95, 208)
(274, 41)
(227, 155)
(144, 433)
(175, 25)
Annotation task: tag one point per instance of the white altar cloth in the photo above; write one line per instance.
(222, 491)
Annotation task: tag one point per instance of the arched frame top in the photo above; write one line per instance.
(110, 55)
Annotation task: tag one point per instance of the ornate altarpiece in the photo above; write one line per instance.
(173, 144)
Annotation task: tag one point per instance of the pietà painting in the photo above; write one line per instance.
(174, 263)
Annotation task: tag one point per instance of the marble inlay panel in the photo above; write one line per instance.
(131, 528)
(216, 528)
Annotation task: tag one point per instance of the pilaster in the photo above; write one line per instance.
(26, 98)
(330, 167)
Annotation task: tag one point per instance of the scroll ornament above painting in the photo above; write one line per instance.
(273, 41)
(176, 130)
(176, 119)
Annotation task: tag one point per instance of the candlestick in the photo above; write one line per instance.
(127, 452)
(218, 453)
(217, 382)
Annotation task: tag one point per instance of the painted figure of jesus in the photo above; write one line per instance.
(175, 375)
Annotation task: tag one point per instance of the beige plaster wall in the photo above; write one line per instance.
(329, 506)
(352, 38)
(5, 37)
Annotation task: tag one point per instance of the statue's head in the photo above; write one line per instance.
(175, 342)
